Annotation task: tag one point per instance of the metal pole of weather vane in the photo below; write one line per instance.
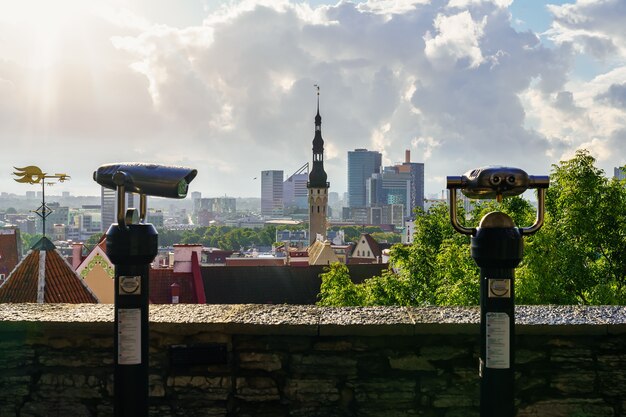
(132, 246)
(497, 249)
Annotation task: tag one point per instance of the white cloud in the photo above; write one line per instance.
(453, 81)
(597, 27)
(425, 146)
(462, 4)
(457, 39)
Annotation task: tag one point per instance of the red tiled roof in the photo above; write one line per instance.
(61, 284)
(161, 280)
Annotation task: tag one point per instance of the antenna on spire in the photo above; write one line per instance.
(318, 97)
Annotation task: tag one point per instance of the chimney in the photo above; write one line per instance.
(175, 290)
(77, 255)
(407, 156)
(182, 256)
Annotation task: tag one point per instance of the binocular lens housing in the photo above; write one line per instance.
(148, 179)
(495, 182)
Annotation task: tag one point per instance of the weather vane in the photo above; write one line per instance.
(34, 175)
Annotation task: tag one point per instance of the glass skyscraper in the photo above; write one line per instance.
(361, 165)
(272, 193)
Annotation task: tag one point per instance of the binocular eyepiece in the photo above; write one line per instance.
(147, 179)
(496, 182)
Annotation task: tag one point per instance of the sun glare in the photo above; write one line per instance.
(42, 25)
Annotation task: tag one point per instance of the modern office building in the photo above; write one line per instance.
(416, 170)
(218, 205)
(85, 222)
(295, 192)
(318, 184)
(389, 187)
(60, 214)
(272, 193)
(155, 217)
(398, 184)
(108, 206)
(361, 165)
(208, 209)
(195, 198)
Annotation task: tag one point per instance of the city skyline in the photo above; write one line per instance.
(227, 87)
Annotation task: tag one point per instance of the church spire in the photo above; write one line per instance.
(318, 185)
(317, 176)
(318, 118)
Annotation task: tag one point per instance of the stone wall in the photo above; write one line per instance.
(255, 360)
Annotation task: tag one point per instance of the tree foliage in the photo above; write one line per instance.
(223, 237)
(29, 240)
(337, 289)
(578, 257)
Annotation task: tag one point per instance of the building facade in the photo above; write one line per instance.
(272, 193)
(361, 165)
(389, 187)
(416, 171)
(108, 206)
(295, 192)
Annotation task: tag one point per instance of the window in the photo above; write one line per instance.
(368, 253)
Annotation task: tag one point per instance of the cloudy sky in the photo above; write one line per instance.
(226, 87)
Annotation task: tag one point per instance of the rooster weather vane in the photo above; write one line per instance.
(34, 175)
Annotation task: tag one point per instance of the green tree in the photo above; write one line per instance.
(579, 256)
(351, 233)
(389, 237)
(337, 289)
(169, 237)
(29, 240)
(436, 269)
(93, 240)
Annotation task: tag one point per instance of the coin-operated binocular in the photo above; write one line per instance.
(132, 246)
(145, 180)
(497, 249)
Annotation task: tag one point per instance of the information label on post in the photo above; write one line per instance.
(129, 336)
(498, 346)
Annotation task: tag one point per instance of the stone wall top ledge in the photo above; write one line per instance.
(315, 320)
